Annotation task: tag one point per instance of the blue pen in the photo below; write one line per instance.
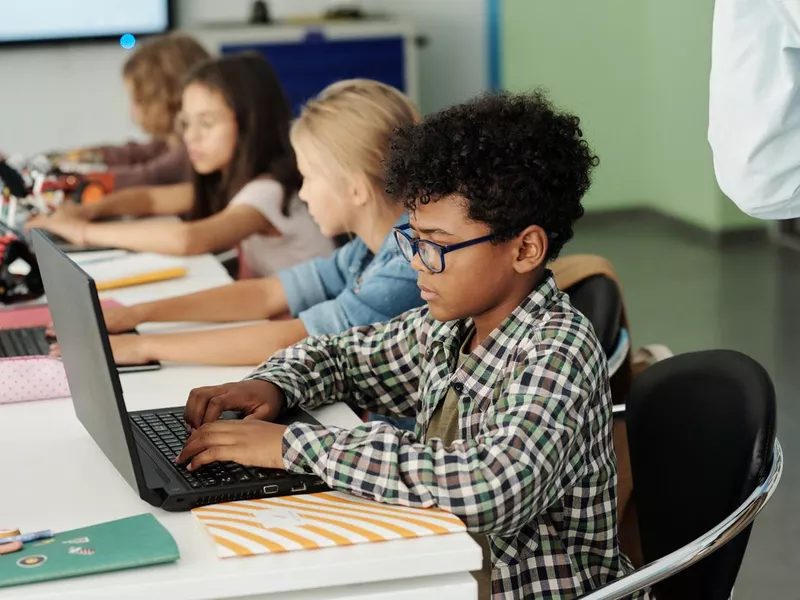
(28, 537)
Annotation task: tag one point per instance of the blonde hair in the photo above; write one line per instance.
(156, 71)
(350, 123)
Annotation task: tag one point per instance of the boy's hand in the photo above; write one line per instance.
(251, 443)
(257, 399)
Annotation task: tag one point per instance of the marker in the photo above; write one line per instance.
(6, 533)
(28, 537)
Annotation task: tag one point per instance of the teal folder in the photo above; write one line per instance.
(133, 542)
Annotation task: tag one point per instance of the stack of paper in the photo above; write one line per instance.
(314, 521)
(133, 269)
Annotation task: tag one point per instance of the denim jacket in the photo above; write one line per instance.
(353, 287)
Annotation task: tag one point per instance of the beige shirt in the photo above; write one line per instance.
(300, 239)
(446, 425)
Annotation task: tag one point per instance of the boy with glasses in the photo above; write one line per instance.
(507, 381)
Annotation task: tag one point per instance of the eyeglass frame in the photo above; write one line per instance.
(442, 248)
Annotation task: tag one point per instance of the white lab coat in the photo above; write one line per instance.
(754, 112)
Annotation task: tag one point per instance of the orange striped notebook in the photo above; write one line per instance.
(314, 521)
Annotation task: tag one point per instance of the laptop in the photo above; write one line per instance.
(34, 341)
(141, 445)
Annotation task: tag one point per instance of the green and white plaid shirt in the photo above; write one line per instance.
(535, 470)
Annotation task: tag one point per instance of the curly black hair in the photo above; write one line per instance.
(515, 159)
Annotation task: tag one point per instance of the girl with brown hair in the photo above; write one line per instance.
(153, 77)
(235, 125)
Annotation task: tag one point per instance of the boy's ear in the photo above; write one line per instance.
(531, 249)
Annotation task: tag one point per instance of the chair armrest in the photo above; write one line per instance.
(698, 549)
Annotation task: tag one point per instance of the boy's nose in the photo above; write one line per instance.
(417, 264)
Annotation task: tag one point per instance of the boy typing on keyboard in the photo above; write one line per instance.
(507, 381)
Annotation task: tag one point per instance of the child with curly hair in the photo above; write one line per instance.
(153, 77)
(507, 381)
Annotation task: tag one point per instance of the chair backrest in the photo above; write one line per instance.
(701, 427)
(599, 299)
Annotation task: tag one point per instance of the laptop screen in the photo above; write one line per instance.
(88, 361)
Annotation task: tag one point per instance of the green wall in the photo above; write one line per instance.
(636, 72)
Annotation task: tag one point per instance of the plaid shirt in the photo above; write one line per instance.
(535, 470)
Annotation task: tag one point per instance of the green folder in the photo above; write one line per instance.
(133, 542)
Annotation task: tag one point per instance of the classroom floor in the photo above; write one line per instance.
(690, 295)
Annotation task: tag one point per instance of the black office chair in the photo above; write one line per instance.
(600, 300)
(705, 459)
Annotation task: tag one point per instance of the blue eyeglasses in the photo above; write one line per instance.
(430, 253)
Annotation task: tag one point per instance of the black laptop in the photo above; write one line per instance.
(141, 445)
(34, 341)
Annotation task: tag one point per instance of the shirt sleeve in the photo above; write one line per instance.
(366, 366)
(167, 168)
(387, 293)
(316, 281)
(754, 108)
(266, 196)
(132, 153)
(530, 451)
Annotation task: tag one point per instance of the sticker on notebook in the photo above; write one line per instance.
(80, 540)
(278, 517)
(45, 542)
(28, 562)
(82, 550)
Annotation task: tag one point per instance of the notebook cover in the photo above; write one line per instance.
(313, 521)
(124, 544)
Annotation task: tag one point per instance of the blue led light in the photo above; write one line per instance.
(127, 41)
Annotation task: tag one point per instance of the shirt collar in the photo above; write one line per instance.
(516, 326)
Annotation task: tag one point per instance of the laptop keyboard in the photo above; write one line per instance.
(29, 341)
(167, 431)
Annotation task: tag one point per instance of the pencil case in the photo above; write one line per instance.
(30, 378)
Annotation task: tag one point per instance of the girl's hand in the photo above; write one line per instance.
(72, 230)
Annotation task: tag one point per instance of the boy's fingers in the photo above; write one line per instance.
(201, 440)
(216, 454)
(196, 405)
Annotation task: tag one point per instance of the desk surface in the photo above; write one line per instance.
(54, 476)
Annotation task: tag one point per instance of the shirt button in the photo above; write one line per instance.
(458, 387)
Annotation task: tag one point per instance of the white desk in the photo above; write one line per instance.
(52, 475)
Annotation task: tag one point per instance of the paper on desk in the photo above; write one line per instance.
(312, 521)
(134, 269)
(82, 258)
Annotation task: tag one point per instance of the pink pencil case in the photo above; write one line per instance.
(32, 378)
